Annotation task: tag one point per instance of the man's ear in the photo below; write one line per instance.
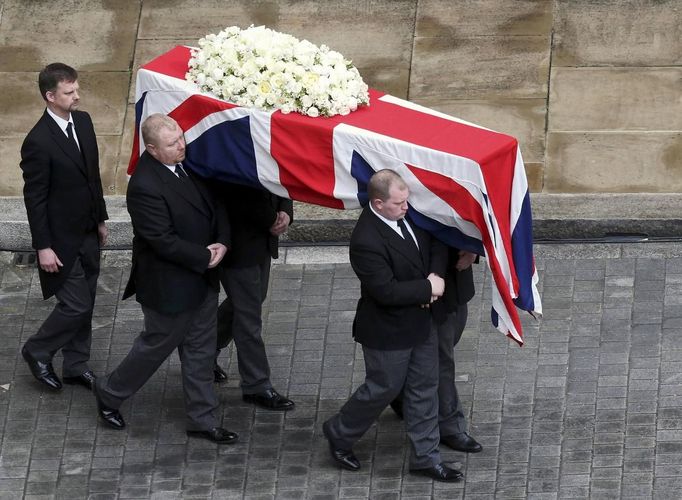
(49, 96)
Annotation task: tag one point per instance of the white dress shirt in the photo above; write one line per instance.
(394, 225)
(62, 123)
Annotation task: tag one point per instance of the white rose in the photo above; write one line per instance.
(277, 80)
(313, 111)
(309, 79)
(271, 99)
(306, 101)
(200, 58)
(252, 90)
(259, 102)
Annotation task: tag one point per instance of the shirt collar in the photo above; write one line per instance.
(391, 223)
(61, 122)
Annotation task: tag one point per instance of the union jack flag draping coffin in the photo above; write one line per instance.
(468, 184)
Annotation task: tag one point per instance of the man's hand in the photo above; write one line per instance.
(437, 285)
(48, 260)
(465, 260)
(102, 233)
(281, 223)
(218, 251)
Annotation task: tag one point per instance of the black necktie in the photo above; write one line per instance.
(180, 171)
(406, 233)
(72, 139)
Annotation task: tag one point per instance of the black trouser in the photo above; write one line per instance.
(69, 325)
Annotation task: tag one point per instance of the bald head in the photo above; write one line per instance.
(153, 124)
(163, 138)
(388, 194)
(381, 182)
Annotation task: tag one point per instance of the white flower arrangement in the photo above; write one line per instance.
(262, 68)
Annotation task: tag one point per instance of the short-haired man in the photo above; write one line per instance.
(66, 214)
(257, 219)
(450, 314)
(180, 236)
(459, 289)
(399, 267)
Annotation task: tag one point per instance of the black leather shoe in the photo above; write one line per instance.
(270, 400)
(440, 472)
(111, 417)
(42, 371)
(397, 406)
(219, 374)
(86, 379)
(345, 458)
(461, 442)
(217, 435)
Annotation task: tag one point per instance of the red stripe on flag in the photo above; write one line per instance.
(427, 130)
(173, 63)
(498, 173)
(303, 149)
(197, 107)
(135, 153)
(469, 209)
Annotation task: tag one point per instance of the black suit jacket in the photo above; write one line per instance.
(173, 221)
(459, 287)
(393, 283)
(251, 213)
(62, 191)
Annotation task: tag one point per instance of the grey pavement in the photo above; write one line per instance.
(590, 407)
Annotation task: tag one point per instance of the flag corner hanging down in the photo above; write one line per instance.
(467, 183)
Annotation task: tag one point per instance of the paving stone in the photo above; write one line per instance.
(593, 396)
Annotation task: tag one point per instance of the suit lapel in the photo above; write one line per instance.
(395, 241)
(203, 194)
(183, 189)
(421, 240)
(64, 144)
(85, 150)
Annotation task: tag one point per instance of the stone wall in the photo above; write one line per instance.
(591, 88)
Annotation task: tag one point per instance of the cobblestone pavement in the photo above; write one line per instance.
(590, 407)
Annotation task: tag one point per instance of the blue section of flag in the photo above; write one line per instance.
(522, 253)
(139, 107)
(225, 152)
(449, 235)
(361, 172)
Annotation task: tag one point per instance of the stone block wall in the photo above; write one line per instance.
(591, 88)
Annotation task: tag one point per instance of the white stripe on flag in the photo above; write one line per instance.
(266, 166)
(153, 81)
(416, 107)
(210, 121)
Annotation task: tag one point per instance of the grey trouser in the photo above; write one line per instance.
(193, 333)
(69, 325)
(386, 373)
